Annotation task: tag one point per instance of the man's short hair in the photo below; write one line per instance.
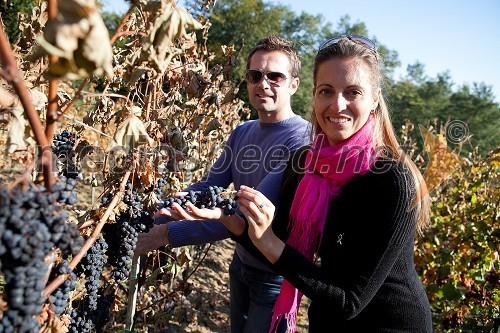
(276, 43)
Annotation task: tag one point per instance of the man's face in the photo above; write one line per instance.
(268, 97)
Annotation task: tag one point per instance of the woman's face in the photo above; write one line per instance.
(343, 97)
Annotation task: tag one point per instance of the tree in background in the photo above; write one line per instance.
(423, 100)
(10, 10)
(242, 23)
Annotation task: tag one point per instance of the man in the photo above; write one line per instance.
(254, 155)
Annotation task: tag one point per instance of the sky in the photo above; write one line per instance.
(458, 36)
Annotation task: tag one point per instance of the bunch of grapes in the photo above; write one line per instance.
(60, 297)
(63, 191)
(79, 322)
(209, 198)
(160, 184)
(92, 265)
(86, 320)
(137, 216)
(63, 148)
(122, 239)
(92, 312)
(32, 224)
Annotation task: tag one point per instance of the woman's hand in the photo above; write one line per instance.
(259, 212)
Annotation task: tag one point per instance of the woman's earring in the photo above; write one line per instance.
(372, 111)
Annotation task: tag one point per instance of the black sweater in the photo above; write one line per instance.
(365, 280)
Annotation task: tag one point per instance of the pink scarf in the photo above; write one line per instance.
(328, 168)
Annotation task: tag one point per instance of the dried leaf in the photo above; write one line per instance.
(39, 99)
(151, 279)
(6, 98)
(171, 24)
(151, 202)
(184, 257)
(131, 133)
(5, 117)
(197, 85)
(197, 121)
(16, 137)
(50, 323)
(77, 8)
(212, 126)
(176, 139)
(80, 40)
(3, 305)
(146, 174)
(95, 55)
(120, 208)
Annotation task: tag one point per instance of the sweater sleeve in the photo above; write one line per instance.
(387, 227)
(182, 233)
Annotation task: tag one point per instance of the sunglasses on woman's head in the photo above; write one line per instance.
(273, 78)
(356, 39)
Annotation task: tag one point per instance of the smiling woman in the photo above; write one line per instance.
(348, 202)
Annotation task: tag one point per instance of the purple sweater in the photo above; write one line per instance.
(255, 155)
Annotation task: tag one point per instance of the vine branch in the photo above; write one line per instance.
(51, 116)
(13, 75)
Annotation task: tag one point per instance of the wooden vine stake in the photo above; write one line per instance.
(133, 288)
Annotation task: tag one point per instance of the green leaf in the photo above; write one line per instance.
(450, 292)
(473, 199)
(151, 279)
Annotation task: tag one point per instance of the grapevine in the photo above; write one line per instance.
(145, 120)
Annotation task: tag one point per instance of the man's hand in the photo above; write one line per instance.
(152, 240)
(193, 213)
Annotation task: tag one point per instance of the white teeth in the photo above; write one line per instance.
(338, 120)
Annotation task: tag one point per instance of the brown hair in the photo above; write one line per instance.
(384, 135)
(275, 43)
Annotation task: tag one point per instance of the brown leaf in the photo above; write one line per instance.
(212, 126)
(3, 305)
(131, 133)
(95, 56)
(39, 99)
(77, 8)
(146, 174)
(50, 323)
(170, 25)
(16, 137)
(80, 40)
(150, 202)
(6, 98)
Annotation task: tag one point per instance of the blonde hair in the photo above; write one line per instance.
(384, 135)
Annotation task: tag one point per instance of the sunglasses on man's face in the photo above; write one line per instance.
(356, 39)
(273, 78)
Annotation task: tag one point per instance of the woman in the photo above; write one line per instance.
(356, 208)
(350, 200)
